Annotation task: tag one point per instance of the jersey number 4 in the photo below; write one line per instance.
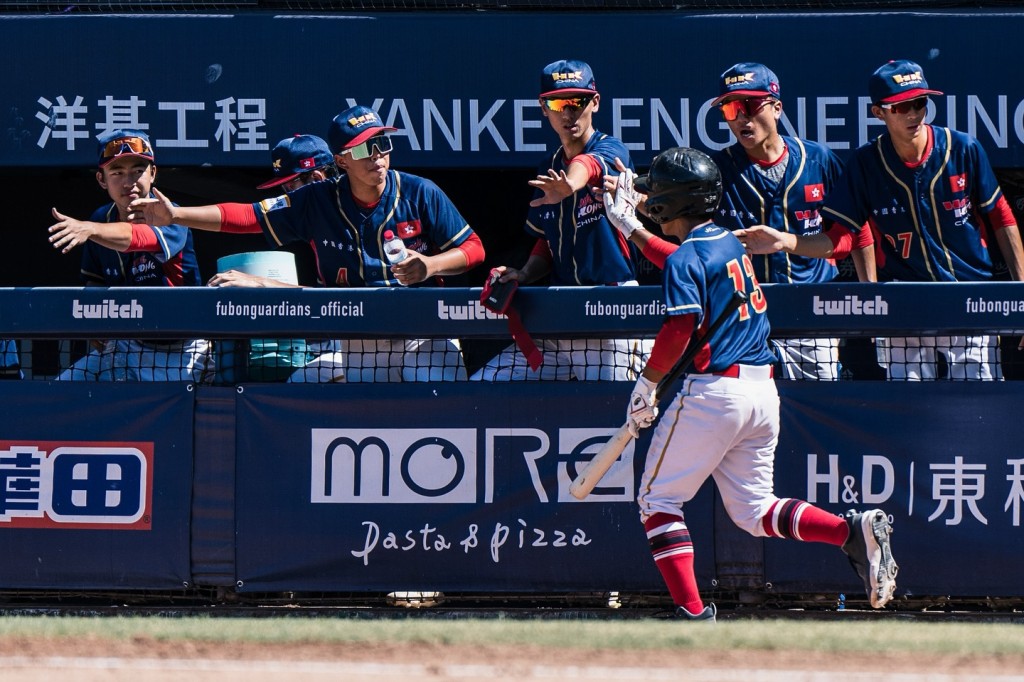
(743, 279)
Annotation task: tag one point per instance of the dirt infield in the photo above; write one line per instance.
(88, 659)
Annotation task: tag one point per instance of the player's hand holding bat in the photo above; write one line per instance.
(643, 406)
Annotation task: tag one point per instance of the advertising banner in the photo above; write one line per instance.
(444, 487)
(95, 485)
(941, 459)
(226, 87)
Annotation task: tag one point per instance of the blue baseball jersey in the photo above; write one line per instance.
(792, 205)
(587, 249)
(173, 264)
(701, 277)
(348, 239)
(928, 217)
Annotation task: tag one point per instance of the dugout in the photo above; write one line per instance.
(224, 80)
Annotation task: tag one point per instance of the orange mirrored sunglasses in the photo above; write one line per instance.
(571, 103)
(127, 145)
(748, 105)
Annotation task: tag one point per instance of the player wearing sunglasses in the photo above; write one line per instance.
(576, 245)
(773, 179)
(344, 220)
(935, 206)
(117, 251)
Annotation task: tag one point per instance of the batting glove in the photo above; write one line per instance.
(642, 406)
(621, 206)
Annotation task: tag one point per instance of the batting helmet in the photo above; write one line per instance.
(681, 182)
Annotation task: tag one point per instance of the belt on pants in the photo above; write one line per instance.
(749, 372)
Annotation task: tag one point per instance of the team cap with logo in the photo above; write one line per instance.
(296, 155)
(747, 79)
(898, 80)
(123, 142)
(567, 77)
(354, 126)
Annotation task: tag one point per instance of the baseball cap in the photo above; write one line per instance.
(567, 77)
(120, 142)
(354, 126)
(898, 80)
(296, 155)
(748, 79)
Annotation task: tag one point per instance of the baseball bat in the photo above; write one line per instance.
(595, 470)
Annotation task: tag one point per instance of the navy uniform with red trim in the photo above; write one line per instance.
(348, 238)
(723, 423)
(938, 214)
(144, 256)
(586, 250)
(576, 244)
(781, 181)
(791, 204)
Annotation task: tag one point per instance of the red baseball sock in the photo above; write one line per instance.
(789, 518)
(673, 555)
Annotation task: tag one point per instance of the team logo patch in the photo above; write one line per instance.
(307, 163)
(958, 183)
(813, 193)
(275, 204)
(409, 229)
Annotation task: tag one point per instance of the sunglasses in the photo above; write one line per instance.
(906, 106)
(126, 145)
(571, 103)
(749, 106)
(382, 143)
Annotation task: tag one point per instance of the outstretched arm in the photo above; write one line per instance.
(160, 211)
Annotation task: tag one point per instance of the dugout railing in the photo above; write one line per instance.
(257, 488)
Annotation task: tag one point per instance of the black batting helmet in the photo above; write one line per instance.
(681, 182)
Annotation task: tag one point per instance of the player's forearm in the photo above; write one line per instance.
(535, 268)
(864, 263)
(198, 217)
(451, 262)
(1009, 242)
(116, 236)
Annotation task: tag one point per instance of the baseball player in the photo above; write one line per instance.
(298, 161)
(576, 244)
(724, 421)
(935, 207)
(119, 252)
(345, 220)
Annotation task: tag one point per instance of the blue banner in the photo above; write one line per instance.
(839, 309)
(936, 457)
(226, 87)
(95, 485)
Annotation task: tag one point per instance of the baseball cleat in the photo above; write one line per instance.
(870, 553)
(708, 614)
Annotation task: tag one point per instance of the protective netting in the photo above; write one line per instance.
(981, 357)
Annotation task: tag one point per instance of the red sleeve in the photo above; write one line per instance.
(1001, 216)
(143, 239)
(238, 218)
(842, 240)
(593, 168)
(657, 250)
(864, 237)
(671, 341)
(474, 250)
(542, 250)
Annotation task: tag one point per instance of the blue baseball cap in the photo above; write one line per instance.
(567, 77)
(748, 79)
(898, 80)
(296, 155)
(354, 126)
(119, 142)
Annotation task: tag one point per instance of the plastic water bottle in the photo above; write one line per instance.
(394, 248)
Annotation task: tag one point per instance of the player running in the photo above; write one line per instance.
(724, 421)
